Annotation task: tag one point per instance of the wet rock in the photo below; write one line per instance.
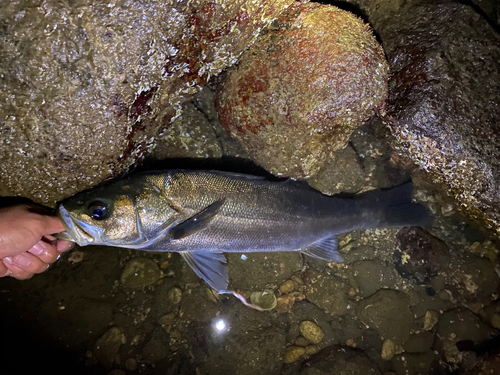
(107, 346)
(415, 363)
(175, 295)
(388, 349)
(102, 80)
(294, 353)
(258, 271)
(190, 136)
(303, 87)
(372, 276)
(341, 172)
(197, 306)
(443, 120)
(419, 342)
(339, 360)
(252, 346)
(430, 320)
(140, 272)
(167, 320)
(389, 313)
(311, 332)
(287, 287)
(326, 291)
(461, 326)
(156, 348)
(422, 255)
(131, 364)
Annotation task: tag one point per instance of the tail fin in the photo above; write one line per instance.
(395, 208)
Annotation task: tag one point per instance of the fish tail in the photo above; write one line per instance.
(395, 208)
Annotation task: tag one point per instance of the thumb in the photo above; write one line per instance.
(52, 224)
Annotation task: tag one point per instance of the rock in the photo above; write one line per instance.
(258, 271)
(388, 349)
(373, 275)
(107, 346)
(419, 342)
(422, 255)
(156, 348)
(326, 291)
(167, 320)
(196, 306)
(389, 313)
(303, 87)
(190, 136)
(444, 121)
(341, 173)
(431, 318)
(140, 272)
(461, 325)
(311, 332)
(87, 86)
(294, 353)
(415, 363)
(131, 364)
(175, 295)
(287, 287)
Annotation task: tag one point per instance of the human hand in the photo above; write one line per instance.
(26, 244)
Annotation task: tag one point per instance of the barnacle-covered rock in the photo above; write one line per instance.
(85, 86)
(303, 87)
(444, 96)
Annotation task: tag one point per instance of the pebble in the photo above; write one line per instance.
(140, 272)
(311, 332)
(495, 320)
(431, 318)
(311, 349)
(175, 294)
(444, 295)
(301, 341)
(107, 346)
(166, 320)
(265, 300)
(131, 364)
(351, 343)
(293, 353)
(388, 350)
(287, 287)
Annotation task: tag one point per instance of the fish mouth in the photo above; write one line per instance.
(74, 229)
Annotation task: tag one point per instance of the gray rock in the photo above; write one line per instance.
(326, 291)
(156, 348)
(414, 363)
(372, 276)
(107, 346)
(419, 342)
(140, 272)
(461, 325)
(388, 312)
(197, 306)
(443, 99)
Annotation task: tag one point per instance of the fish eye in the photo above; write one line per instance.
(98, 210)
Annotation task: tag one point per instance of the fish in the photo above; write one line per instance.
(204, 214)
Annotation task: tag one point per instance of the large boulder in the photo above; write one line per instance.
(444, 95)
(86, 86)
(303, 87)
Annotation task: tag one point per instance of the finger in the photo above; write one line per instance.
(4, 271)
(45, 251)
(27, 262)
(63, 245)
(50, 224)
(16, 272)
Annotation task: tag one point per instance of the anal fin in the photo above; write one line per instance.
(209, 266)
(324, 249)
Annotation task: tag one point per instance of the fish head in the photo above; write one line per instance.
(125, 213)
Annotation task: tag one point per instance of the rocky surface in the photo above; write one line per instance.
(85, 87)
(443, 99)
(298, 93)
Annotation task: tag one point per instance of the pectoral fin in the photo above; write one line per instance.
(325, 249)
(197, 222)
(209, 266)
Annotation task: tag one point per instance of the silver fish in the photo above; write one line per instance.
(202, 214)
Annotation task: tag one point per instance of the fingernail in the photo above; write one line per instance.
(22, 260)
(8, 260)
(65, 246)
(38, 249)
